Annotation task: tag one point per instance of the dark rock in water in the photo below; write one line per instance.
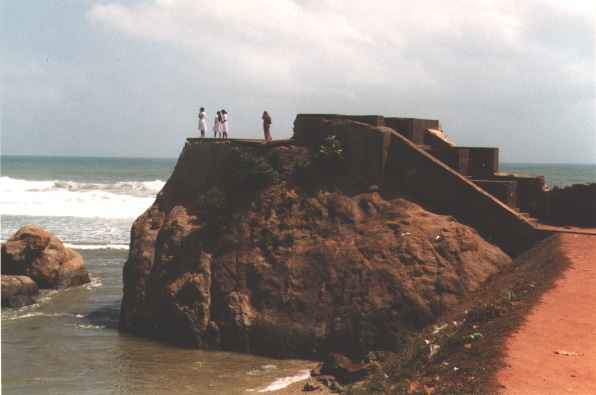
(346, 371)
(17, 291)
(35, 253)
(309, 387)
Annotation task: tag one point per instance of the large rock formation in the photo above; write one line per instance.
(35, 253)
(343, 261)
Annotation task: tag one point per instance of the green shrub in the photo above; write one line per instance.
(302, 168)
(211, 206)
(254, 172)
(277, 159)
(330, 152)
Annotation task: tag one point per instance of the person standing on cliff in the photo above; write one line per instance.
(224, 123)
(202, 122)
(217, 126)
(266, 125)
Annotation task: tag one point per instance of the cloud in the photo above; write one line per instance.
(465, 61)
(369, 43)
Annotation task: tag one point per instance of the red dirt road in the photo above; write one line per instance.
(554, 352)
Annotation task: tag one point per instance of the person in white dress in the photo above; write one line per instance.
(224, 123)
(202, 122)
(217, 126)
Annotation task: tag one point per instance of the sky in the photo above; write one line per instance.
(127, 78)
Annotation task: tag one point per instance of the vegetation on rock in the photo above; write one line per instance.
(211, 206)
(329, 153)
(255, 171)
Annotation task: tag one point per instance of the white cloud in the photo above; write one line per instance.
(353, 42)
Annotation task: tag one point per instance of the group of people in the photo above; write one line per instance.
(220, 128)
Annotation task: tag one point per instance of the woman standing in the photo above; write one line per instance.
(217, 126)
(224, 116)
(266, 124)
(202, 122)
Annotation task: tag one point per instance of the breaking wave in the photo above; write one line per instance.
(60, 198)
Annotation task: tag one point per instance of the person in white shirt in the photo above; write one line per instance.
(224, 123)
(217, 126)
(202, 122)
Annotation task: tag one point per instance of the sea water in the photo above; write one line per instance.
(555, 175)
(68, 342)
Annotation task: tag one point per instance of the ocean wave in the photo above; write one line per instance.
(8, 184)
(71, 199)
(97, 246)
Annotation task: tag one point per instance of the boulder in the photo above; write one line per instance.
(17, 291)
(35, 253)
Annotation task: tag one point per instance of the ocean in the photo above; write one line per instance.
(555, 175)
(68, 343)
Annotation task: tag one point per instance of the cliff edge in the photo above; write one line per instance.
(297, 248)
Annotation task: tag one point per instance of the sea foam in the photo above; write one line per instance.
(68, 198)
(285, 381)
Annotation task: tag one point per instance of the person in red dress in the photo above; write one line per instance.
(266, 124)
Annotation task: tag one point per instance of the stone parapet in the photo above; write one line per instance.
(456, 158)
(484, 162)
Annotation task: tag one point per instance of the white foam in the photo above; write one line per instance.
(91, 326)
(71, 199)
(285, 381)
(35, 314)
(97, 246)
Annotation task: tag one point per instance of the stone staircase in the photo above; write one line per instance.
(480, 165)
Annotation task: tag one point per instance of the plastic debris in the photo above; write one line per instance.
(439, 328)
(434, 348)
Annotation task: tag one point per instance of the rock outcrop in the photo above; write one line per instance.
(35, 253)
(17, 291)
(339, 262)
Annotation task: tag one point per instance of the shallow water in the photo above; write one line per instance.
(69, 344)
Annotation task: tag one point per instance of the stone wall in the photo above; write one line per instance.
(484, 162)
(574, 205)
(427, 178)
(531, 195)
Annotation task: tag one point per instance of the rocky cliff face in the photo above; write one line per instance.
(300, 268)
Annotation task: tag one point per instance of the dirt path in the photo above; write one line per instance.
(555, 350)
